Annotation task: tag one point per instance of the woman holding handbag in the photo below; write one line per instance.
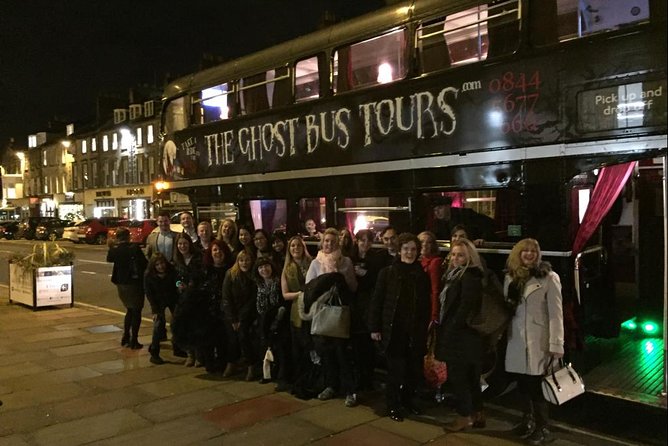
(535, 335)
(459, 345)
(398, 320)
(128, 276)
(338, 366)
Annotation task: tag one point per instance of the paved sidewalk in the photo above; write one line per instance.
(65, 380)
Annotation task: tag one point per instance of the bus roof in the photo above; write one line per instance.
(308, 45)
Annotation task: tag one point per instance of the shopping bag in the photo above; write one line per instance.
(561, 383)
(435, 371)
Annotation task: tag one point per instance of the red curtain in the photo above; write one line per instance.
(611, 181)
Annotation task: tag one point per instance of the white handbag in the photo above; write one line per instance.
(561, 383)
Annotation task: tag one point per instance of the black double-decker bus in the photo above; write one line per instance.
(544, 119)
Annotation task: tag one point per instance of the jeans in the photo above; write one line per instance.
(159, 329)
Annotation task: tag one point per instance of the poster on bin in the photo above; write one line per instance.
(53, 286)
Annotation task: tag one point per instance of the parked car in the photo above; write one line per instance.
(51, 229)
(8, 229)
(139, 229)
(27, 227)
(95, 230)
(71, 233)
(111, 234)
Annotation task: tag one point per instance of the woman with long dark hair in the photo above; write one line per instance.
(161, 292)
(128, 276)
(189, 272)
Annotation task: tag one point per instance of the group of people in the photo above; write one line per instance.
(239, 303)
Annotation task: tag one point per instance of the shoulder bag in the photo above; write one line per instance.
(331, 318)
(561, 383)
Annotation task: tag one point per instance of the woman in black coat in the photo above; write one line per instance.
(398, 320)
(161, 292)
(460, 346)
(128, 274)
(240, 316)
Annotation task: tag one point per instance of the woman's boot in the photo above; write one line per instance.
(460, 423)
(479, 420)
(525, 427)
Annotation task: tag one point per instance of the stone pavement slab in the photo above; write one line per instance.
(192, 430)
(63, 382)
(253, 411)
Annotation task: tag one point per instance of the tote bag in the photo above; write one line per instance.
(331, 318)
(561, 383)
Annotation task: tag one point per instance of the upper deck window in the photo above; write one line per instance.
(212, 104)
(307, 79)
(269, 89)
(175, 116)
(579, 18)
(374, 61)
(468, 36)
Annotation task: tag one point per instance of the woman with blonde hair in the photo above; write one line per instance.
(227, 232)
(338, 366)
(293, 279)
(535, 335)
(459, 345)
(240, 315)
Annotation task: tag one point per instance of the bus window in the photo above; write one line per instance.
(379, 60)
(216, 213)
(489, 215)
(374, 213)
(469, 36)
(270, 215)
(265, 90)
(175, 115)
(581, 18)
(213, 104)
(307, 80)
(312, 217)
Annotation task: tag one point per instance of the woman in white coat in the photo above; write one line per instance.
(536, 333)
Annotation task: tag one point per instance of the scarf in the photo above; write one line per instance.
(449, 277)
(268, 296)
(329, 262)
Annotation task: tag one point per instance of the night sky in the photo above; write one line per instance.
(57, 55)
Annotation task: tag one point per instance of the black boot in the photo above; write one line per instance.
(524, 428)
